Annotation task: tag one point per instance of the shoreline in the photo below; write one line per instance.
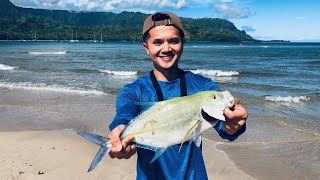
(39, 131)
(274, 145)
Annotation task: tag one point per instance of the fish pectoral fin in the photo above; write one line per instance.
(145, 103)
(189, 133)
(98, 158)
(158, 154)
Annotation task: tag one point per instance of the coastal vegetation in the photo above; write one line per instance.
(17, 23)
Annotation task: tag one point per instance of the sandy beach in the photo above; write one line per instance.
(39, 140)
(61, 154)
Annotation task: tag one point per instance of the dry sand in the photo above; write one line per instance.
(62, 154)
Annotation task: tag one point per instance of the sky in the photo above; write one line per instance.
(293, 20)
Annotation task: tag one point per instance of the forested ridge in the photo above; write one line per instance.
(17, 23)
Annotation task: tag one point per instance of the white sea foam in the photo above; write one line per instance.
(208, 72)
(6, 67)
(120, 73)
(47, 52)
(44, 87)
(287, 99)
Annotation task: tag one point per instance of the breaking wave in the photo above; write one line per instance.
(47, 52)
(120, 73)
(6, 67)
(287, 99)
(207, 72)
(53, 88)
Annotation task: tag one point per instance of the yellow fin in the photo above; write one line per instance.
(189, 132)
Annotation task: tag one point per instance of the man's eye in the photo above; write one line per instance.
(157, 42)
(174, 41)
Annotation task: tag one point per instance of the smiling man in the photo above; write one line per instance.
(163, 35)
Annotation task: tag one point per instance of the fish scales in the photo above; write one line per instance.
(165, 124)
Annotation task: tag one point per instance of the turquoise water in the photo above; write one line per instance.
(278, 83)
(288, 69)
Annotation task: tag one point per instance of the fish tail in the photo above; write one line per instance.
(101, 141)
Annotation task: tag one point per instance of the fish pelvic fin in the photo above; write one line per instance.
(99, 140)
(158, 153)
(197, 140)
(194, 127)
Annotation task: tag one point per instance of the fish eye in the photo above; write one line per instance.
(214, 97)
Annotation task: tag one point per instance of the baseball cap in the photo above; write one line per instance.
(163, 19)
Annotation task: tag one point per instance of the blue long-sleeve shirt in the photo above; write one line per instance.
(188, 163)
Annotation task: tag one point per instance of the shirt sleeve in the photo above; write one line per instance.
(126, 109)
(220, 129)
(210, 85)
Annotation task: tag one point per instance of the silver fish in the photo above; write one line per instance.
(170, 122)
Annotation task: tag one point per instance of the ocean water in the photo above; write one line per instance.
(278, 83)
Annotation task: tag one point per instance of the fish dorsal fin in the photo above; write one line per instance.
(145, 103)
(169, 98)
(158, 154)
(213, 111)
(190, 132)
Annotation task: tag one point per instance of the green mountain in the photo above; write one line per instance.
(18, 23)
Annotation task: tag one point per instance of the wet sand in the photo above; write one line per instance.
(39, 140)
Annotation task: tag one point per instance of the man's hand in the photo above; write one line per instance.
(235, 118)
(121, 149)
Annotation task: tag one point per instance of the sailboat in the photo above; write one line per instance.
(35, 36)
(94, 34)
(76, 36)
(101, 37)
(72, 40)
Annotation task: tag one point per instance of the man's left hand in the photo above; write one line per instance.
(235, 118)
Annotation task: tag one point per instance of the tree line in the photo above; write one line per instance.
(18, 23)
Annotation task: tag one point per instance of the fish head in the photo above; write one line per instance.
(213, 105)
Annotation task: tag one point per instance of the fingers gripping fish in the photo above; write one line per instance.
(170, 122)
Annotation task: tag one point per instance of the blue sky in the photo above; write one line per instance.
(294, 20)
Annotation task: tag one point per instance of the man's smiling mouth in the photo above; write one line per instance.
(168, 57)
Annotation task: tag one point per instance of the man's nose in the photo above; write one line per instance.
(166, 47)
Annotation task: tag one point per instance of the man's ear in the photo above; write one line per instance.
(146, 47)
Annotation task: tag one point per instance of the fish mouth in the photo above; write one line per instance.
(208, 118)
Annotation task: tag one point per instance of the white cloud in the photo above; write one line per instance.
(230, 12)
(101, 5)
(248, 28)
(226, 1)
(170, 4)
(300, 17)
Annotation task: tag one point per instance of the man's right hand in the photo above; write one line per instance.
(121, 149)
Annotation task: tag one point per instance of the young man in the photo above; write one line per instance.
(163, 36)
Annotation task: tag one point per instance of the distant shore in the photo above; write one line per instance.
(255, 41)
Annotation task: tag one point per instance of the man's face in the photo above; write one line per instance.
(164, 46)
